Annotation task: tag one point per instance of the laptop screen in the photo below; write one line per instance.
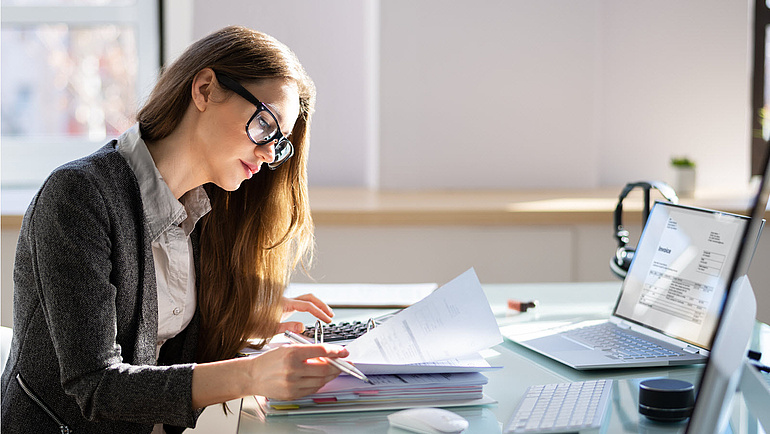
(680, 270)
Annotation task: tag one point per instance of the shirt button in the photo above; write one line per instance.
(160, 343)
(177, 311)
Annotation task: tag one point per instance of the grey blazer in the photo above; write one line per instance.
(85, 312)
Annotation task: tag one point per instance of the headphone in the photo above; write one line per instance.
(620, 263)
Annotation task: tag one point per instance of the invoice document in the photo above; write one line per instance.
(454, 321)
(681, 267)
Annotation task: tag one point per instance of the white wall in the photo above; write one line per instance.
(515, 93)
(676, 80)
(489, 94)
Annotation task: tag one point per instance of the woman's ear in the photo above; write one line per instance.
(202, 88)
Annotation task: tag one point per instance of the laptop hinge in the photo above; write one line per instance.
(624, 325)
(690, 349)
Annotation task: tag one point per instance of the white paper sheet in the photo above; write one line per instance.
(470, 363)
(453, 321)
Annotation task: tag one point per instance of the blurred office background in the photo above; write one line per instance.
(428, 95)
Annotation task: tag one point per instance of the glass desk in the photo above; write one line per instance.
(521, 368)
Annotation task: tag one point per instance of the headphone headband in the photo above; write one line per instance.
(664, 189)
(623, 256)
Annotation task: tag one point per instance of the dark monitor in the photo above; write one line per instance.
(725, 365)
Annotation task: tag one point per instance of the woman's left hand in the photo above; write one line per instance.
(304, 303)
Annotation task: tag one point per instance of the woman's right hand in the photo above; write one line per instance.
(285, 373)
(293, 371)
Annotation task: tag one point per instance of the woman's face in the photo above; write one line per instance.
(229, 153)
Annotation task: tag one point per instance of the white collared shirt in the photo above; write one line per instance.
(170, 222)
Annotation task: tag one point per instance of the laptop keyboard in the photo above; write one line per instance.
(619, 344)
(562, 407)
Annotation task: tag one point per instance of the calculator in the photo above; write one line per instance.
(342, 332)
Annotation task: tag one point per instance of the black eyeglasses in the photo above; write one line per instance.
(262, 128)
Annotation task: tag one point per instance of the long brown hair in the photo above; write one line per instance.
(256, 235)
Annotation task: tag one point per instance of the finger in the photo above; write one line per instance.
(319, 369)
(314, 351)
(293, 326)
(295, 304)
(307, 306)
(317, 302)
(336, 350)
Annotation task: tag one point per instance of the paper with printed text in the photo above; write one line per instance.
(453, 321)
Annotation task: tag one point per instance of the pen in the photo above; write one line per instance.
(520, 306)
(342, 365)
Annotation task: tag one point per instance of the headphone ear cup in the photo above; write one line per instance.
(620, 263)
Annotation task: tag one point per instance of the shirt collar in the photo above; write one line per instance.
(161, 208)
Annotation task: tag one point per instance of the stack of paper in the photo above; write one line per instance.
(427, 354)
(403, 389)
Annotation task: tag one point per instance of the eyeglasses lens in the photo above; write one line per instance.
(262, 127)
(283, 151)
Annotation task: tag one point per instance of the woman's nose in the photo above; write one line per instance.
(267, 151)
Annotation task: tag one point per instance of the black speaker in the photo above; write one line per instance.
(624, 254)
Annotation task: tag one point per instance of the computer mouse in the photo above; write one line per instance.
(428, 420)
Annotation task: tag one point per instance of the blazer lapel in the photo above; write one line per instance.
(147, 326)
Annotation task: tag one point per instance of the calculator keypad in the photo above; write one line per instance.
(337, 332)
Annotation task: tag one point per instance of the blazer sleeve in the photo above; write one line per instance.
(71, 239)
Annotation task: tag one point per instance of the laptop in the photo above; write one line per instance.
(670, 301)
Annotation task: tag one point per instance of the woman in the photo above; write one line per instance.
(169, 246)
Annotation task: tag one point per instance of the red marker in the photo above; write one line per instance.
(520, 306)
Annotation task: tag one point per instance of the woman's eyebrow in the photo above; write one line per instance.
(277, 115)
(275, 112)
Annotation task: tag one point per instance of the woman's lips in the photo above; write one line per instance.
(251, 169)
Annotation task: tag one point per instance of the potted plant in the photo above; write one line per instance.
(684, 170)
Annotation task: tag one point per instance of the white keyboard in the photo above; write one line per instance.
(562, 407)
